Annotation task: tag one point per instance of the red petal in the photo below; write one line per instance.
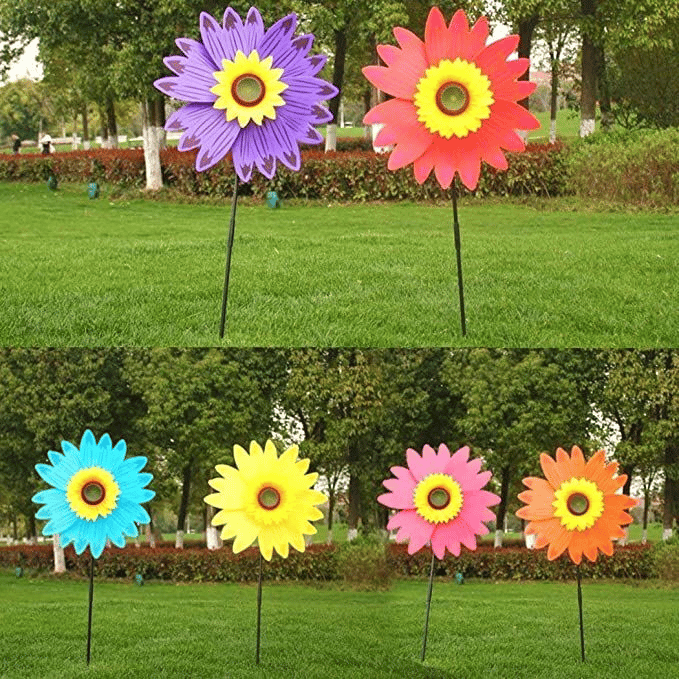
(477, 39)
(493, 58)
(436, 37)
(458, 33)
(513, 116)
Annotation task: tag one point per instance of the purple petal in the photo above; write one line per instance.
(312, 88)
(233, 34)
(253, 30)
(243, 157)
(276, 41)
(195, 50)
(189, 88)
(216, 143)
(294, 59)
(316, 63)
(218, 41)
(258, 147)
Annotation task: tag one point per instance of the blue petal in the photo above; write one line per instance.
(66, 538)
(53, 475)
(117, 455)
(132, 530)
(55, 458)
(118, 539)
(144, 479)
(102, 453)
(49, 496)
(45, 512)
(62, 518)
(140, 495)
(72, 453)
(127, 474)
(132, 511)
(88, 448)
(81, 539)
(98, 541)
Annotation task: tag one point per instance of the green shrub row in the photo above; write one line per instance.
(633, 167)
(351, 175)
(362, 563)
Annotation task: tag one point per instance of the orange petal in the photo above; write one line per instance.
(559, 545)
(577, 462)
(563, 460)
(553, 473)
(576, 547)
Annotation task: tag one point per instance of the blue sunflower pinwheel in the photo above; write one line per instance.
(96, 494)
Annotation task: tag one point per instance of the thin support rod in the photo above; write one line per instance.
(229, 250)
(426, 617)
(259, 608)
(582, 628)
(458, 251)
(89, 612)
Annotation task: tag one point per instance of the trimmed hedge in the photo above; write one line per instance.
(326, 562)
(344, 176)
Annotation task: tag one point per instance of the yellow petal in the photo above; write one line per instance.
(265, 545)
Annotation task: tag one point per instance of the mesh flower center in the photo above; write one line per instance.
(248, 88)
(578, 503)
(438, 498)
(269, 498)
(453, 98)
(92, 492)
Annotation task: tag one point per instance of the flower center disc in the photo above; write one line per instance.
(438, 498)
(248, 90)
(93, 493)
(452, 99)
(578, 504)
(269, 498)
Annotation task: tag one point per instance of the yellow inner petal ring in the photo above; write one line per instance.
(578, 504)
(453, 98)
(248, 88)
(438, 498)
(92, 492)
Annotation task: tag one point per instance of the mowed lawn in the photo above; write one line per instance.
(478, 630)
(75, 271)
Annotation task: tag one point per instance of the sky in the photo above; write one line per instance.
(26, 65)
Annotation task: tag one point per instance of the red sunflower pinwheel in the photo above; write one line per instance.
(455, 99)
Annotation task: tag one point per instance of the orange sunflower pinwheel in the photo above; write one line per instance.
(577, 508)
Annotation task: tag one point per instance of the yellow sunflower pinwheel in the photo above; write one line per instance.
(266, 498)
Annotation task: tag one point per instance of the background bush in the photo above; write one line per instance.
(354, 173)
(634, 167)
(363, 565)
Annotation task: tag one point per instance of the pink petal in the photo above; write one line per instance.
(404, 474)
(388, 53)
(495, 157)
(417, 465)
(412, 526)
(386, 137)
(444, 168)
(423, 166)
(400, 497)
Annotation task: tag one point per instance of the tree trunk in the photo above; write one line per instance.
(604, 90)
(153, 136)
(59, 559)
(212, 538)
(338, 82)
(553, 99)
(671, 492)
(111, 123)
(367, 100)
(354, 507)
(589, 71)
(644, 519)
(104, 129)
(183, 505)
(86, 131)
(526, 28)
(74, 138)
(331, 511)
(502, 509)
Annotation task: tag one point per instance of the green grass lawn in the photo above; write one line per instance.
(79, 272)
(478, 630)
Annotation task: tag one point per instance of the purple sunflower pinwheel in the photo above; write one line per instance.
(251, 91)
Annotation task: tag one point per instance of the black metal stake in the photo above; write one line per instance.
(229, 249)
(259, 608)
(426, 617)
(582, 628)
(458, 251)
(89, 614)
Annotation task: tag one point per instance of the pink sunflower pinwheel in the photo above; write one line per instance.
(455, 99)
(441, 500)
